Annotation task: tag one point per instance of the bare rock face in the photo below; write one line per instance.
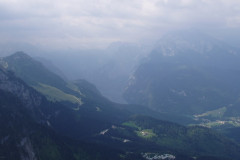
(27, 149)
(13, 85)
(31, 101)
(30, 98)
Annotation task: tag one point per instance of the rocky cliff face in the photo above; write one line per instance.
(24, 132)
(28, 151)
(28, 96)
(11, 84)
(16, 128)
(17, 97)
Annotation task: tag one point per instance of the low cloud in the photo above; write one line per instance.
(96, 23)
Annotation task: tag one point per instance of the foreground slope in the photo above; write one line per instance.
(146, 135)
(26, 131)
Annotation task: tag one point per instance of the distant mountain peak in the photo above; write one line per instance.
(173, 43)
(20, 55)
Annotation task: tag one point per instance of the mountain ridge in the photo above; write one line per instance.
(100, 122)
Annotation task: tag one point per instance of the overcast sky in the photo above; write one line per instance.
(96, 23)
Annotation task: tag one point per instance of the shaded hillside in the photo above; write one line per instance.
(148, 135)
(26, 135)
(187, 73)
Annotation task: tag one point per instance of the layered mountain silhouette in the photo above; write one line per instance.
(45, 117)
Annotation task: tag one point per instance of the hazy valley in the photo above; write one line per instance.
(177, 99)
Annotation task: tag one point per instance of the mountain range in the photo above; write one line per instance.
(187, 73)
(46, 117)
